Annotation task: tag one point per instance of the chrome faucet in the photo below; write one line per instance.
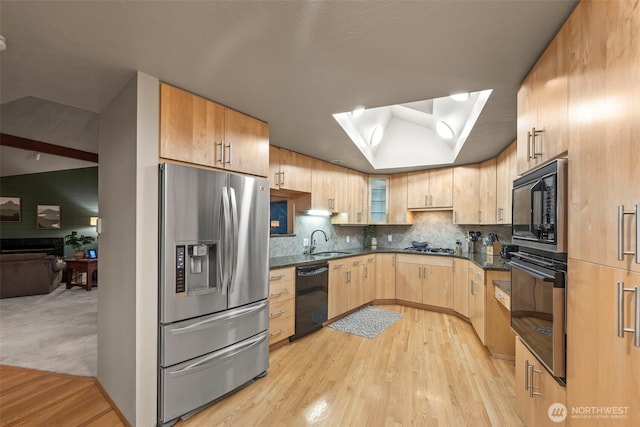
(313, 242)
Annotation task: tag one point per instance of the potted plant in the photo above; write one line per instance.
(369, 234)
(77, 243)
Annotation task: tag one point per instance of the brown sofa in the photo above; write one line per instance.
(28, 274)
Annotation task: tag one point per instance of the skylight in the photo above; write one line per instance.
(421, 133)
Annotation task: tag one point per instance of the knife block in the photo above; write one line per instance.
(494, 249)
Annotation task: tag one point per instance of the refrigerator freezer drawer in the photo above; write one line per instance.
(190, 385)
(191, 338)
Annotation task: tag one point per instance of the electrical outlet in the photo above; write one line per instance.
(390, 237)
(305, 242)
(348, 239)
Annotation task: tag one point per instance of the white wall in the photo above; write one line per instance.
(127, 299)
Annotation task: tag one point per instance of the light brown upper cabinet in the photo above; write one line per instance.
(355, 201)
(542, 108)
(196, 130)
(466, 199)
(432, 189)
(505, 174)
(328, 186)
(487, 194)
(289, 170)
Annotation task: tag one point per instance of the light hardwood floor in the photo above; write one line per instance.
(427, 369)
(37, 398)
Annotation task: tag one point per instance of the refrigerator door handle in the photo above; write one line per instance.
(225, 255)
(211, 321)
(220, 356)
(234, 239)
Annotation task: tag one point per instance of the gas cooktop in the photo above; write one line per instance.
(445, 251)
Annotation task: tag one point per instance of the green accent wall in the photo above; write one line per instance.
(74, 190)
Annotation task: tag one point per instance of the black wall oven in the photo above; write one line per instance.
(538, 300)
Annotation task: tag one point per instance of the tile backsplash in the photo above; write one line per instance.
(435, 227)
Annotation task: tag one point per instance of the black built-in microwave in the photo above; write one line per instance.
(539, 214)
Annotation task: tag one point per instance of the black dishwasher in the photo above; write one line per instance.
(312, 283)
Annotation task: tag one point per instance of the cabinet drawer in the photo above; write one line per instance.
(281, 321)
(281, 274)
(503, 297)
(281, 291)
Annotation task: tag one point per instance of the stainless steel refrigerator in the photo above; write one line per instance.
(213, 314)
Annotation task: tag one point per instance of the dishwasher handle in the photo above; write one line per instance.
(314, 270)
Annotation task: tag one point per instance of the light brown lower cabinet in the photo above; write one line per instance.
(603, 369)
(425, 280)
(499, 336)
(352, 283)
(385, 276)
(461, 286)
(538, 395)
(477, 301)
(282, 302)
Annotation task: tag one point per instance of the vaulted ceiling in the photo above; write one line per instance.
(290, 63)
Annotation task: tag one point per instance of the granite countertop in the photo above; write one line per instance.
(480, 259)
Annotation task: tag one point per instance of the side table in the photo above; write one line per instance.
(81, 266)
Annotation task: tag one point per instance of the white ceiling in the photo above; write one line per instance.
(290, 63)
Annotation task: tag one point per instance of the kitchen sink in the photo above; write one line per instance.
(331, 253)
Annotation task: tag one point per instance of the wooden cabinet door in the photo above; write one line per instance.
(246, 145)
(385, 276)
(295, 171)
(409, 278)
(487, 192)
(524, 404)
(190, 127)
(398, 193)
(368, 279)
(274, 167)
(477, 298)
(527, 119)
(418, 190)
(321, 182)
(505, 174)
(498, 333)
(357, 198)
(603, 176)
(441, 188)
(594, 349)
(338, 288)
(552, 98)
(461, 286)
(466, 180)
(437, 287)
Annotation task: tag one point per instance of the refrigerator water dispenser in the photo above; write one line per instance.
(196, 268)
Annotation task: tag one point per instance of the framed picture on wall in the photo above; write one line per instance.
(48, 216)
(10, 209)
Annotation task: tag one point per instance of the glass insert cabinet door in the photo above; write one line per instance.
(378, 188)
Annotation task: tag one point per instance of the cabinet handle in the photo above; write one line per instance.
(228, 146)
(526, 375)
(636, 323)
(366, 272)
(278, 332)
(455, 217)
(277, 294)
(531, 143)
(480, 216)
(532, 386)
(621, 214)
(221, 156)
(431, 200)
(282, 175)
(278, 277)
(472, 287)
(359, 217)
(426, 200)
(277, 313)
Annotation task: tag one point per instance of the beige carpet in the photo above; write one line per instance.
(55, 332)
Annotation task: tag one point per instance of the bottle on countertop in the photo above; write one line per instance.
(458, 248)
